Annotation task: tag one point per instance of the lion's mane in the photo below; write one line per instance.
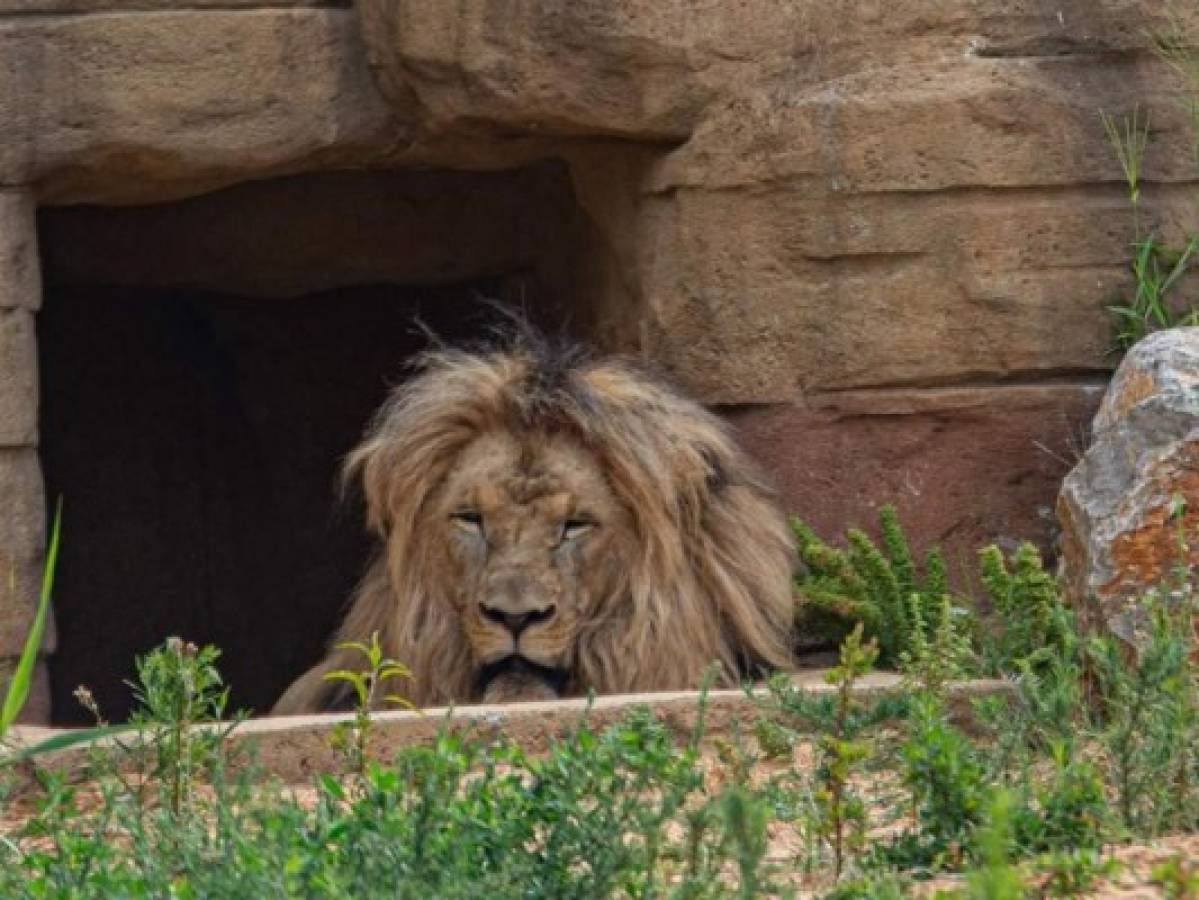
(710, 581)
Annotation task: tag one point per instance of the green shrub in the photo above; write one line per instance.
(946, 782)
(1029, 624)
(879, 587)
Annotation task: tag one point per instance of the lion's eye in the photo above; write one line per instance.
(468, 520)
(572, 529)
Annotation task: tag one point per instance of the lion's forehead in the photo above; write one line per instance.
(550, 474)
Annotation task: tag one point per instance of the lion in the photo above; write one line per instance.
(553, 523)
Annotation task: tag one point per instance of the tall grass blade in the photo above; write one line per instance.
(18, 688)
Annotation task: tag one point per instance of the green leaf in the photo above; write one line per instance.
(65, 741)
(18, 688)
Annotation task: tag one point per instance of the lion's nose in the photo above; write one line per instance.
(516, 622)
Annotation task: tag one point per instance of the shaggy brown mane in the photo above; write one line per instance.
(710, 575)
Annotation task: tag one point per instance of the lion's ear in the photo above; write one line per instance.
(371, 467)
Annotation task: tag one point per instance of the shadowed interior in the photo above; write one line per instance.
(194, 416)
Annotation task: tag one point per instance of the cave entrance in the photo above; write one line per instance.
(206, 364)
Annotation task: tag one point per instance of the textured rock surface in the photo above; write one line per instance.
(20, 275)
(18, 379)
(22, 531)
(1118, 537)
(164, 102)
(963, 467)
(881, 236)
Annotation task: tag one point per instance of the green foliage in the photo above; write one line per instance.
(1030, 626)
(1157, 270)
(947, 786)
(1178, 878)
(622, 812)
(881, 588)
(1096, 741)
(940, 648)
(1157, 267)
(1069, 812)
(178, 687)
(1070, 873)
(874, 886)
(1146, 720)
(996, 878)
(841, 810)
(353, 738)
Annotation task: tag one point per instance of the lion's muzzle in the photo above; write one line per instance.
(516, 678)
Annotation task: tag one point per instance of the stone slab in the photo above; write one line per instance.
(20, 271)
(18, 379)
(162, 103)
(22, 537)
(294, 748)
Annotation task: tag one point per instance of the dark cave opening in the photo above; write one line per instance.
(195, 426)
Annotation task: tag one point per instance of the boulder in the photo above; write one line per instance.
(1130, 509)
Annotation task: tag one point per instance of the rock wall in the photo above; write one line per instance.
(880, 236)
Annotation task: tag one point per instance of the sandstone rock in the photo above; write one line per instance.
(22, 535)
(964, 466)
(18, 379)
(158, 104)
(1119, 536)
(621, 67)
(880, 235)
(20, 274)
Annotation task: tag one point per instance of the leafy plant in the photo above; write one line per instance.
(996, 878)
(868, 584)
(1069, 873)
(1070, 811)
(940, 649)
(1178, 878)
(1157, 270)
(178, 688)
(354, 738)
(1030, 625)
(842, 813)
(1157, 267)
(947, 786)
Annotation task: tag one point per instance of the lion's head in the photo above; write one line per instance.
(552, 524)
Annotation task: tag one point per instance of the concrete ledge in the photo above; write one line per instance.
(294, 748)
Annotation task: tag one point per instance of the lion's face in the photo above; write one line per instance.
(532, 539)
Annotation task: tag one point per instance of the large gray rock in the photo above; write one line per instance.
(1117, 507)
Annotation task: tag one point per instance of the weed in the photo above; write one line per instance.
(1069, 873)
(947, 787)
(1070, 811)
(1178, 878)
(939, 649)
(1139, 695)
(1157, 267)
(1030, 626)
(353, 738)
(996, 878)
(1157, 270)
(1130, 139)
(178, 687)
(842, 813)
(866, 584)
